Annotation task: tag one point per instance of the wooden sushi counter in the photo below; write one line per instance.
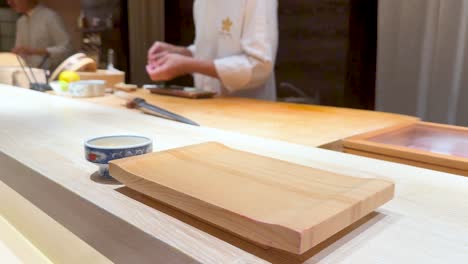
(307, 125)
(15, 248)
(331, 128)
(67, 212)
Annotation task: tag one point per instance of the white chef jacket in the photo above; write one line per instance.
(43, 28)
(241, 36)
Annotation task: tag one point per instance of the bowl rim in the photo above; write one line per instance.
(147, 139)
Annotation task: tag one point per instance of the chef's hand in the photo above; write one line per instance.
(160, 49)
(21, 50)
(168, 66)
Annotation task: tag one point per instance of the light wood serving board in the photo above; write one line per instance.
(427, 145)
(268, 201)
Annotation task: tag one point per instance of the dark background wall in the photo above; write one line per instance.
(327, 48)
(360, 85)
(313, 48)
(179, 28)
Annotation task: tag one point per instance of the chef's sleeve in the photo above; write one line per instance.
(259, 42)
(191, 48)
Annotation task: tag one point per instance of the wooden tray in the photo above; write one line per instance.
(267, 201)
(427, 145)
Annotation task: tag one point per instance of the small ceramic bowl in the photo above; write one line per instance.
(59, 88)
(101, 150)
(89, 88)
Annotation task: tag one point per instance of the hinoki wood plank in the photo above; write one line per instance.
(267, 201)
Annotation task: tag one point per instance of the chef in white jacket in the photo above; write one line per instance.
(234, 51)
(41, 37)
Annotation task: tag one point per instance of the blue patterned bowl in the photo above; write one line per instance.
(101, 150)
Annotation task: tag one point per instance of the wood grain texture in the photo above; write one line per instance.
(406, 161)
(268, 201)
(52, 242)
(429, 145)
(41, 147)
(66, 215)
(308, 125)
(15, 248)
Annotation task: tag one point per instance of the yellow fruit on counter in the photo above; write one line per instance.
(69, 76)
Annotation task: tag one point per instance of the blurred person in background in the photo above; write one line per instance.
(41, 37)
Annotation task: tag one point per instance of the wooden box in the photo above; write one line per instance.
(427, 145)
(111, 77)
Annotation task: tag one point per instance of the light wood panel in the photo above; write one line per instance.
(405, 161)
(270, 202)
(41, 157)
(15, 248)
(427, 145)
(73, 229)
(51, 242)
(308, 125)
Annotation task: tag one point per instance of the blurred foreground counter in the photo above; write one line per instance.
(56, 201)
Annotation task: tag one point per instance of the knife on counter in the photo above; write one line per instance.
(140, 103)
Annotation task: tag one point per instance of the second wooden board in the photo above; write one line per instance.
(428, 145)
(268, 201)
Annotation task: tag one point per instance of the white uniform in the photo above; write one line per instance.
(43, 28)
(241, 36)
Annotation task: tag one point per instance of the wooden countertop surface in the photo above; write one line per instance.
(15, 248)
(300, 124)
(42, 158)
